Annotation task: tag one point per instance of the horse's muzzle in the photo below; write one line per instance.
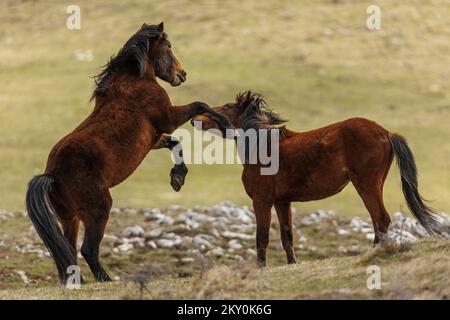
(180, 77)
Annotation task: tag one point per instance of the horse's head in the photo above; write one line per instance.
(234, 111)
(167, 67)
(249, 110)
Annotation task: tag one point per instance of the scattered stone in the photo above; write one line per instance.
(343, 232)
(114, 211)
(23, 276)
(217, 252)
(135, 231)
(187, 260)
(131, 211)
(125, 247)
(110, 240)
(166, 243)
(6, 215)
(153, 234)
(370, 236)
(200, 240)
(152, 244)
(235, 235)
(234, 244)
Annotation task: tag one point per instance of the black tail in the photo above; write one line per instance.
(408, 172)
(46, 224)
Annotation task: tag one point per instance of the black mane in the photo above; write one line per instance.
(258, 115)
(131, 58)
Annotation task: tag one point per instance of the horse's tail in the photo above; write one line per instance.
(45, 222)
(408, 172)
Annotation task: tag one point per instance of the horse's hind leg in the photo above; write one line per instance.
(285, 218)
(70, 230)
(371, 194)
(69, 221)
(94, 212)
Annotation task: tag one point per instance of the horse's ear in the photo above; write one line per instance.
(161, 27)
(246, 99)
(144, 26)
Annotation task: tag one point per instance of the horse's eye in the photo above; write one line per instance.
(169, 45)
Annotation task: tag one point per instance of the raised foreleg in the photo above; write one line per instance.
(179, 170)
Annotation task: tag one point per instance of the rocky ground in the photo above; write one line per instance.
(183, 240)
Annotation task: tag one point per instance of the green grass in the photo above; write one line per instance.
(313, 60)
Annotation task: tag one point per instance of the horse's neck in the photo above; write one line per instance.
(147, 87)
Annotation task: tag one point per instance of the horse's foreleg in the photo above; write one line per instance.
(263, 218)
(181, 114)
(179, 170)
(285, 218)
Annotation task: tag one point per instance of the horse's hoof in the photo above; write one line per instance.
(177, 175)
(104, 277)
(292, 261)
(177, 182)
(261, 263)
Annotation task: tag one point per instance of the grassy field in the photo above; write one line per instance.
(325, 271)
(315, 62)
(418, 272)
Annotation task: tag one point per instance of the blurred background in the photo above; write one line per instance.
(314, 61)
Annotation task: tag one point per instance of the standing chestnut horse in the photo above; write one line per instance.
(132, 115)
(317, 164)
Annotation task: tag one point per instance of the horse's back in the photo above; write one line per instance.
(317, 164)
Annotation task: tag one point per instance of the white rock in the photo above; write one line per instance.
(187, 260)
(23, 276)
(251, 252)
(130, 211)
(152, 234)
(165, 243)
(397, 216)
(366, 230)
(169, 243)
(241, 215)
(342, 249)
(403, 237)
(199, 217)
(162, 219)
(125, 247)
(343, 232)
(152, 244)
(216, 252)
(199, 240)
(114, 211)
(137, 242)
(234, 244)
(370, 236)
(235, 235)
(135, 231)
(191, 224)
(110, 239)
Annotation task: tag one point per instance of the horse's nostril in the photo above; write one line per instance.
(184, 73)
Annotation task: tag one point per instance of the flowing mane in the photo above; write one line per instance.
(131, 58)
(258, 115)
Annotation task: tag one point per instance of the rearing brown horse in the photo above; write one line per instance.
(317, 164)
(132, 115)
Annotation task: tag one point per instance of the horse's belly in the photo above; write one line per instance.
(315, 183)
(124, 161)
(124, 168)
